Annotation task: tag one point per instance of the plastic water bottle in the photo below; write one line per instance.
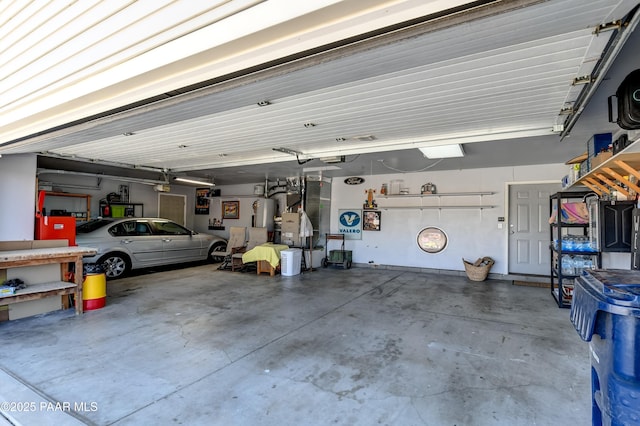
(583, 244)
(569, 243)
(567, 265)
(578, 265)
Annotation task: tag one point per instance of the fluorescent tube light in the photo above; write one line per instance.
(195, 181)
(334, 159)
(442, 151)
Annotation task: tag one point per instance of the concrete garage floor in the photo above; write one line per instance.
(197, 346)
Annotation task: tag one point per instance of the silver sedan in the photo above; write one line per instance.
(132, 243)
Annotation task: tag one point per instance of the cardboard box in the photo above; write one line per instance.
(290, 223)
(291, 219)
(5, 290)
(600, 158)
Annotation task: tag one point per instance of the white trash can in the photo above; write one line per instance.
(290, 260)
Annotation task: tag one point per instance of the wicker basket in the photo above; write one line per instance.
(478, 270)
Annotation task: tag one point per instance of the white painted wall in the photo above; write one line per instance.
(99, 188)
(242, 193)
(472, 233)
(18, 196)
(145, 194)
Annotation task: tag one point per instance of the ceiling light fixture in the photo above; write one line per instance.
(333, 159)
(193, 180)
(365, 138)
(320, 168)
(442, 151)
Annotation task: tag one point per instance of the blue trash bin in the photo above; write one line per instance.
(606, 312)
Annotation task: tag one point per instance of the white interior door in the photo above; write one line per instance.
(529, 235)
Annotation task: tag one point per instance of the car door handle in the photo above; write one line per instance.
(166, 240)
(125, 241)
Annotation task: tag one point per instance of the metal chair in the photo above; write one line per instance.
(257, 236)
(237, 235)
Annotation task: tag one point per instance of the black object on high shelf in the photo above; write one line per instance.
(571, 242)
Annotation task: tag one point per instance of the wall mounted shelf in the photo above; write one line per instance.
(233, 197)
(80, 215)
(481, 207)
(443, 194)
(439, 197)
(610, 175)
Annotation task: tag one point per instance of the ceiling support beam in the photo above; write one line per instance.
(601, 70)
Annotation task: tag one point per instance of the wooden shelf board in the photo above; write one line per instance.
(437, 207)
(629, 156)
(443, 194)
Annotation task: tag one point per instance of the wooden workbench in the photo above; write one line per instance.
(40, 256)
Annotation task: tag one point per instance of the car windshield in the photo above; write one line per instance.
(92, 225)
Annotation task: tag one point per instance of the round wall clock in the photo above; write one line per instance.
(432, 239)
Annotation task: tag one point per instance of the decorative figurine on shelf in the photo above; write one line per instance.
(370, 203)
(428, 188)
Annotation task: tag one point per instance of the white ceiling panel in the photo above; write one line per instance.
(504, 75)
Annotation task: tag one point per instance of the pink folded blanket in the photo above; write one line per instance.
(571, 213)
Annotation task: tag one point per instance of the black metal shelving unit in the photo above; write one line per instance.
(127, 209)
(559, 286)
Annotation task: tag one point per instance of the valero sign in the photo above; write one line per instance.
(350, 224)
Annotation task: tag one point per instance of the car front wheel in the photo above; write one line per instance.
(115, 265)
(216, 252)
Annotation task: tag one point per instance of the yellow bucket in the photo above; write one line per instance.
(94, 292)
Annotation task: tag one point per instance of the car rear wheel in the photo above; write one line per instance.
(215, 252)
(115, 265)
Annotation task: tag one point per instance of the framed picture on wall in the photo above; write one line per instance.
(371, 220)
(231, 209)
(202, 202)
